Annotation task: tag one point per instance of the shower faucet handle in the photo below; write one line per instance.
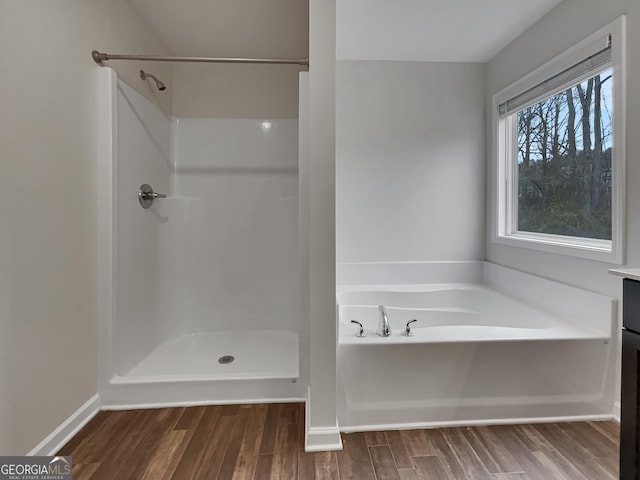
(407, 330)
(360, 333)
(146, 195)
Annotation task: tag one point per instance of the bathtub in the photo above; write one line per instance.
(505, 347)
(451, 314)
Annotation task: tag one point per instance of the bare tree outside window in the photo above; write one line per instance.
(564, 162)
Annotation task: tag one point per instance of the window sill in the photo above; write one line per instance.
(590, 249)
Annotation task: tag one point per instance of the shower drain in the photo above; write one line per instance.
(226, 359)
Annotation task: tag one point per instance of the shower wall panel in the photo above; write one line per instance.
(143, 156)
(238, 180)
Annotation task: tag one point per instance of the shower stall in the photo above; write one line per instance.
(201, 296)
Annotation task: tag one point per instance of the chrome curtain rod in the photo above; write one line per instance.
(99, 58)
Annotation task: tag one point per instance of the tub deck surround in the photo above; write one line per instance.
(491, 346)
(458, 384)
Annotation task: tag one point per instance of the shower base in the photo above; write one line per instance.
(187, 371)
(257, 354)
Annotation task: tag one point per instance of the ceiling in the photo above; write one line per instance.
(412, 30)
(433, 30)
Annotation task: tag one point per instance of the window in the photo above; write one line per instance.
(559, 138)
(564, 161)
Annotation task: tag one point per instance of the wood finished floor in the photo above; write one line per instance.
(259, 442)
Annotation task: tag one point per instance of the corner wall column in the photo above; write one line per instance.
(322, 431)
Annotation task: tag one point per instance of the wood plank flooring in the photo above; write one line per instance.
(261, 442)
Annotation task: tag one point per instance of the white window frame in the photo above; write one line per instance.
(505, 181)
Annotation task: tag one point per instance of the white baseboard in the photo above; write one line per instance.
(67, 429)
(616, 411)
(473, 423)
(320, 439)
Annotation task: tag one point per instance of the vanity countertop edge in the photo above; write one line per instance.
(632, 273)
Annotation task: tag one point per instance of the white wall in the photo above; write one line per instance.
(272, 29)
(565, 26)
(409, 161)
(238, 182)
(235, 91)
(120, 30)
(48, 243)
(143, 156)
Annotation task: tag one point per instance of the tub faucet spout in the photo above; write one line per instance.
(383, 324)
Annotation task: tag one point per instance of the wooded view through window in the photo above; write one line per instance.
(564, 161)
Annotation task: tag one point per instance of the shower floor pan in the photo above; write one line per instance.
(206, 356)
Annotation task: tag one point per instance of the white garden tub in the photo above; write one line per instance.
(451, 313)
(503, 347)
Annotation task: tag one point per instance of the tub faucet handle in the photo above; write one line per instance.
(361, 331)
(407, 329)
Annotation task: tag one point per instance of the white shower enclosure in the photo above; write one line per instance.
(200, 295)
